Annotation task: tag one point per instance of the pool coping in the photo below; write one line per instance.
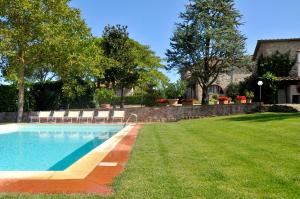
(78, 170)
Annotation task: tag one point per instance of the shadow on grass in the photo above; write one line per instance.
(264, 117)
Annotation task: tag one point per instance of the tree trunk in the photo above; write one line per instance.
(114, 89)
(122, 97)
(205, 96)
(21, 91)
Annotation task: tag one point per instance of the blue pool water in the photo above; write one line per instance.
(50, 147)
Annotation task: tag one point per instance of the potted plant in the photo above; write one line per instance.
(104, 97)
(249, 96)
(241, 99)
(174, 91)
(223, 100)
(190, 102)
(215, 98)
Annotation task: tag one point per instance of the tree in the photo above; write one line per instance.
(38, 37)
(130, 63)
(270, 84)
(269, 68)
(280, 64)
(207, 42)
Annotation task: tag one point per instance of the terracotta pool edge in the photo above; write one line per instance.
(97, 182)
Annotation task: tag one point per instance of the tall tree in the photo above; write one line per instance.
(207, 42)
(41, 36)
(129, 60)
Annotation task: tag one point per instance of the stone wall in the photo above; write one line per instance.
(167, 114)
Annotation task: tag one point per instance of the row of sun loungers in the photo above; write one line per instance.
(88, 116)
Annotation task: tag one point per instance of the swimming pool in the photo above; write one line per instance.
(49, 147)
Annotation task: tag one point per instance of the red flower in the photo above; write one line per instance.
(162, 101)
(223, 98)
(241, 97)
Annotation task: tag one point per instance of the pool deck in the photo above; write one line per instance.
(98, 181)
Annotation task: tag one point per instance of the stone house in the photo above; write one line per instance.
(289, 91)
(194, 90)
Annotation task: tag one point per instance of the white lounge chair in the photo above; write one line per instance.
(87, 115)
(73, 115)
(118, 115)
(58, 115)
(102, 115)
(41, 115)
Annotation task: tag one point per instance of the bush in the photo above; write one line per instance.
(8, 98)
(104, 96)
(130, 100)
(282, 109)
(45, 96)
(233, 90)
(249, 94)
(175, 90)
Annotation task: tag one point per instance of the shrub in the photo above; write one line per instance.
(130, 100)
(233, 90)
(175, 90)
(282, 109)
(215, 97)
(8, 98)
(249, 94)
(104, 96)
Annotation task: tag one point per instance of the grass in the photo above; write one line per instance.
(251, 156)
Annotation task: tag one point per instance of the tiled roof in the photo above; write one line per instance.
(259, 42)
(290, 78)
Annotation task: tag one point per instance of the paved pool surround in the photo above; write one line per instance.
(96, 179)
(165, 113)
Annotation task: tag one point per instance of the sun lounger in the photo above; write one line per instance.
(102, 115)
(87, 115)
(58, 115)
(73, 115)
(41, 115)
(118, 115)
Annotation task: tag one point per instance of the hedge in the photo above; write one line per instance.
(8, 98)
(44, 96)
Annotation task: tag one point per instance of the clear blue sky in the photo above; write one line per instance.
(151, 22)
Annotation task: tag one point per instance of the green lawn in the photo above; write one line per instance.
(251, 156)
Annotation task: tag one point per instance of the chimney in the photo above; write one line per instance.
(298, 62)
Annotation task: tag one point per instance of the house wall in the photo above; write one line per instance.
(293, 90)
(268, 48)
(282, 97)
(224, 80)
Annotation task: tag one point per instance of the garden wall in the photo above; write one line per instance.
(167, 114)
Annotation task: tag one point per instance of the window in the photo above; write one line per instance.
(215, 89)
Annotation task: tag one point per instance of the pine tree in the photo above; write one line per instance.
(207, 41)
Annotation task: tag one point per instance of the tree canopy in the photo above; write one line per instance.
(207, 41)
(131, 63)
(42, 40)
(39, 38)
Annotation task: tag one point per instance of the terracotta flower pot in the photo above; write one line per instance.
(106, 106)
(241, 101)
(173, 102)
(224, 102)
